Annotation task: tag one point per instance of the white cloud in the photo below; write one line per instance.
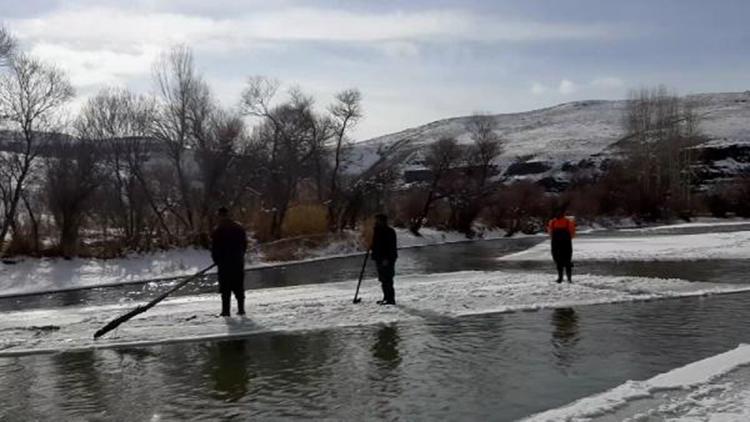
(102, 42)
(608, 83)
(567, 87)
(97, 67)
(400, 49)
(124, 28)
(538, 89)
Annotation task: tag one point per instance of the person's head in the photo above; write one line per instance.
(223, 214)
(381, 220)
(560, 212)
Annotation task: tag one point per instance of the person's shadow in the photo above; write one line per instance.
(565, 335)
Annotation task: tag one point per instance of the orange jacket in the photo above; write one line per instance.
(562, 224)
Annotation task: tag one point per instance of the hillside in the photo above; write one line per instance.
(550, 144)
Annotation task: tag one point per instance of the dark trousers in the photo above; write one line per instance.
(567, 266)
(562, 254)
(386, 272)
(232, 281)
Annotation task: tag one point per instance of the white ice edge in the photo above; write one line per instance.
(325, 306)
(688, 247)
(689, 376)
(692, 225)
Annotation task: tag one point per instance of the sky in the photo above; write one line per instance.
(415, 61)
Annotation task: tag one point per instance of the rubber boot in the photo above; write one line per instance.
(569, 273)
(240, 306)
(226, 305)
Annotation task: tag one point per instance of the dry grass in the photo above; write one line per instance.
(365, 231)
(305, 220)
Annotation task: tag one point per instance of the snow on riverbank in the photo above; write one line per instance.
(309, 307)
(32, 275)
(698, 223)
(707, 246)
(45, 275)
(699, 391)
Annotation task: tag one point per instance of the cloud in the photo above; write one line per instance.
(97, 67)
(538, 89)
(608, 83)
(400, 49)
(120, 28)
(567, 87)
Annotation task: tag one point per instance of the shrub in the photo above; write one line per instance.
(305, 219)
(718, 203)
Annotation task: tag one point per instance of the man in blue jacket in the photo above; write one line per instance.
(384, 253)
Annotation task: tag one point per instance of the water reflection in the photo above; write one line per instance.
(79, 383)
(229, 361)
(385, 349)
(565, 335)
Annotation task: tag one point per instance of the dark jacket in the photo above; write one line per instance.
(228, 243)
(384, 244)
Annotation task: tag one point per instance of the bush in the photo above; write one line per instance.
(741, 203)
(305, 219)
(260, 225)
(365, 231)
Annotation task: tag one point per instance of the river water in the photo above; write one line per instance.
(488, 367)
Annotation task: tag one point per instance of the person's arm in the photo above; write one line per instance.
(375, 246)
(393, 245)
(244, 241)
(214, 249)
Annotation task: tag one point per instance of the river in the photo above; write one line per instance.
(489, 367)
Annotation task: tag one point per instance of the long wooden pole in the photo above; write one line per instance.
(143, 308)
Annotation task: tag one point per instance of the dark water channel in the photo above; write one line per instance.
(489, 367)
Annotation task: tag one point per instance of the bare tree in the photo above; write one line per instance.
(218, 154)
(442, 157)
(120, 123)
(487, 146)
(184, 105)
(7, 46)
(468, 188)
(345, 112)
(31, 96)
(662, 129)
(73, 172)
(290, 136)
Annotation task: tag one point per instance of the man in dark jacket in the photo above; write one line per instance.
(228, 247)
(384, 253)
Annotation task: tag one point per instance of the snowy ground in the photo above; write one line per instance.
(708, 246)
(310, 307)
(713, 389)
(698, 223)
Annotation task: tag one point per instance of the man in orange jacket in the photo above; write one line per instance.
(562, 230)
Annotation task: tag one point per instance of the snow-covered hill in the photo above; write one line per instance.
(557, 141)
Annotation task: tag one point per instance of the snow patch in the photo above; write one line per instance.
(708, 246)
(693, 382)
